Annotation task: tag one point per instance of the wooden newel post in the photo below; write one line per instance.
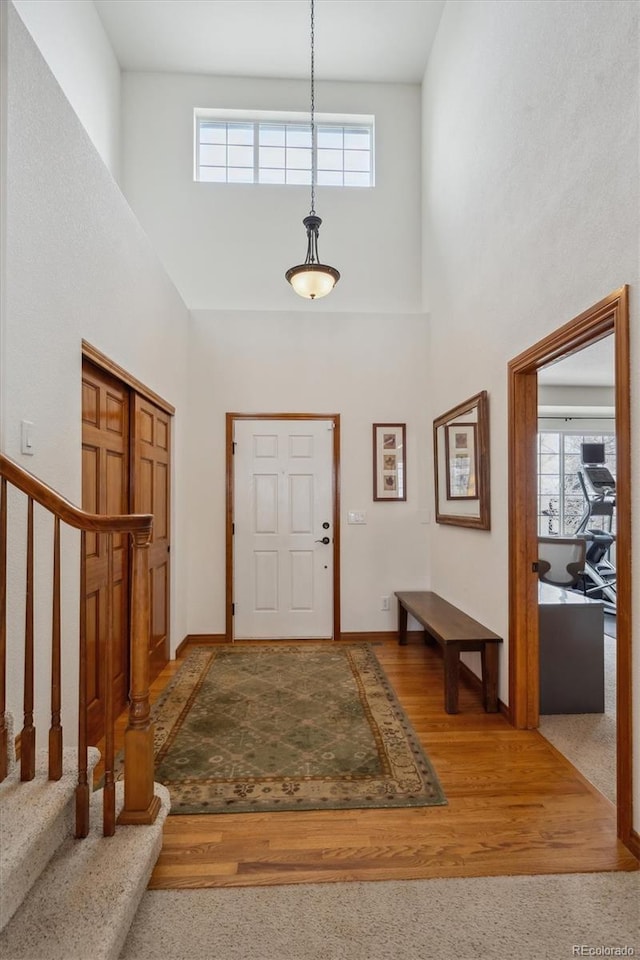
(140, 804)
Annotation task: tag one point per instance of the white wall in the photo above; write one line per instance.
(71, 38)
(227, 246)
(574, 396)
(368, 368)
(574, 409)
(256, 346)
(77, 266)
(531, 215)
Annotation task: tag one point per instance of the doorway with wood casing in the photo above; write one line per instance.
(126, 466)
(608, 317)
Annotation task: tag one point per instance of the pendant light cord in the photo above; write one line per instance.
(312, 279)
(313, 112)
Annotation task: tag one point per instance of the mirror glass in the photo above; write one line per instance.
(461, 451)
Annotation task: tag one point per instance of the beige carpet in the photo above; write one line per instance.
(588, 740)
(488, 918)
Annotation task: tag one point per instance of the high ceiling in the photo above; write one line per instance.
(593, 365)
(387, 41)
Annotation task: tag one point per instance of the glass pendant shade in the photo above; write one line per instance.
(312, 279)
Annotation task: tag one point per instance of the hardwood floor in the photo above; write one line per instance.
(516, 806)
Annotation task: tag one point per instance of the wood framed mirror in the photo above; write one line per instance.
(461, 455)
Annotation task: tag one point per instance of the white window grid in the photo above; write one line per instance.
(561, 503)
(280, 152)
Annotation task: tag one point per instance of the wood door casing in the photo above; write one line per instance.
(283, 506)
(105, 489)
(610, 315)
(229, 431)
(151, 446)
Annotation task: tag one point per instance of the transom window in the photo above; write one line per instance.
(561, 503)
(279, 151)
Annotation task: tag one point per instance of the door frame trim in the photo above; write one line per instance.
(99, 359)
(230, 421)
(610, 315)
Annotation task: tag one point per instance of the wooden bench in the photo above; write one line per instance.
(455, 632)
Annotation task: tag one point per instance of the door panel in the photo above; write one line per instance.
(266, 503)
(301, 504)
(283, 495)
(93, 645)
(302, 567)
(90, 475)
(105, 490)
(266, 579)
(152, 494)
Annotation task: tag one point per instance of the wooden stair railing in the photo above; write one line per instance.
(140, 804)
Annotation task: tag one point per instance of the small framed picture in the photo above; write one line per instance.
(389, 474)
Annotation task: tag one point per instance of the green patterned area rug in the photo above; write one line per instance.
(287, 727)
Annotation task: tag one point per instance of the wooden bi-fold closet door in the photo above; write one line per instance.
(126, 467)
(152, 494)
(105, 489)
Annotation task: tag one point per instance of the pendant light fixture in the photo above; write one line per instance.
(312, 279)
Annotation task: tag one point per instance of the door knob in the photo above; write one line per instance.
(324, 540)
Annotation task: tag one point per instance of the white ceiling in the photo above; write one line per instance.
(387, 41)
(592, 366)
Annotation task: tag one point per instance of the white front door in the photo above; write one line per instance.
(283, 508)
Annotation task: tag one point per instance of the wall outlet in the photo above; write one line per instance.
(385, 603)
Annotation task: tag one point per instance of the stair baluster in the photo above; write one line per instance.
(4, 746)
(55, 731)
(109, 794)
(82, 789)
(28, 735)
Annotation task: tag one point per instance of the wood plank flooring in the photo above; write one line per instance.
(515, 806)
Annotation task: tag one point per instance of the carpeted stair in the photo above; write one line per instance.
(62, 898)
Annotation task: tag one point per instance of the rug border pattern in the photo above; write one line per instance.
(407, 779)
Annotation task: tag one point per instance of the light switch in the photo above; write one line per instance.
(356, 516)
(26, 437)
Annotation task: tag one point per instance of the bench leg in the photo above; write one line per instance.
(489, 654)
(451, 674)
(402, 625)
